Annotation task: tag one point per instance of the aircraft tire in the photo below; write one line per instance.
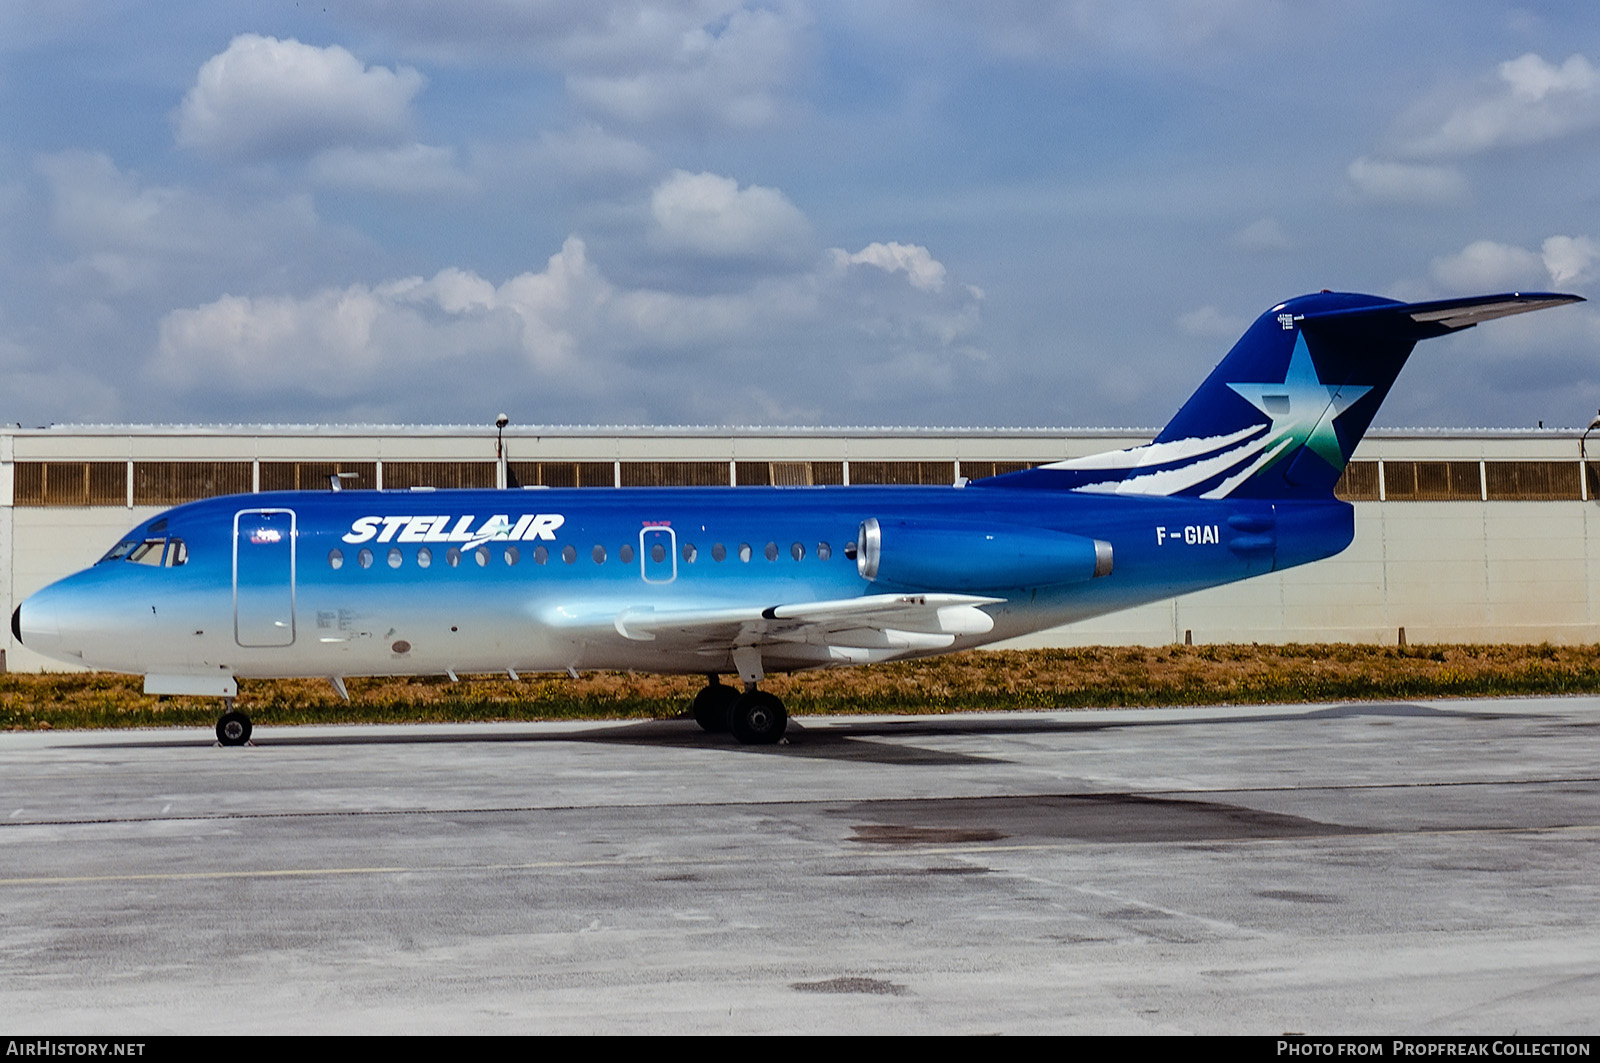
(758, 719)
(233, 729)
(712, 706)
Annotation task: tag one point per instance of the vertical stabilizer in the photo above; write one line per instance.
(1280, 415)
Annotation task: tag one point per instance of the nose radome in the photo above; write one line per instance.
(41, 624)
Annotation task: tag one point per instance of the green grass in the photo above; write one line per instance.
(964, 682)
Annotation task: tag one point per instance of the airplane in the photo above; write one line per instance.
(751, 580)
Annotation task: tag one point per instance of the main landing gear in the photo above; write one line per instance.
(233, 728)
(755, 717)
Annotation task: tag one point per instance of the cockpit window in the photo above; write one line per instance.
(156, 550)
(122, 550)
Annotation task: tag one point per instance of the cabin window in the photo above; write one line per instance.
(364, 558)
(718, 552)
(424, 557)
(481, 555)
(658, 553)
(452, 556)
(626, 554)
(744, 552)
(336, 558)
(540, 555)
(599, 554)
(513, 555)
(395, 557)
(824, 551)
(690, 553)
(770, 552)
(798, 551)
(569, 554)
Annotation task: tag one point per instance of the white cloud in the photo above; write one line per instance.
(729, 69)
(1568, 258)
(1263, 235)
(1529, 101)
(785, 342)
(135, 235)
(1212, 323)
(590, 151)
(469, 30)
(1401, 182)
(264, 98)
(414, 168)
(94, 204)
(921, 268)
(26, 24)
(720, 62)
(72, 394)
(1485, 265)
(1052, 30)
(343, 341)
(710, 215)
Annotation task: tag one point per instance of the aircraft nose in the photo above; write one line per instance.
(35, 622)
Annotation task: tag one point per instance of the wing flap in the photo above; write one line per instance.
(896, 622)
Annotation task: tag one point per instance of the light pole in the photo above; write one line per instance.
(500, 448)
(1583, 455)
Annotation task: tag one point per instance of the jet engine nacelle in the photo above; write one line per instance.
(969, 557)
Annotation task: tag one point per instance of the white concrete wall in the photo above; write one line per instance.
(1445, 571)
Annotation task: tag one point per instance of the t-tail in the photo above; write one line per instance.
(1280, 415)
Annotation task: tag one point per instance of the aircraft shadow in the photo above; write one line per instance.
(843, 739)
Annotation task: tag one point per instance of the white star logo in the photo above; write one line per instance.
(1303, 408)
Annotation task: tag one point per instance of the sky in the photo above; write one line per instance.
(797, 212)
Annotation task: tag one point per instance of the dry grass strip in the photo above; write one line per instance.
(979, 680)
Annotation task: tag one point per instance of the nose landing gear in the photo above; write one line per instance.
(233, 728)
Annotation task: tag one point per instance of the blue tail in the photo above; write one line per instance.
(1280, 415)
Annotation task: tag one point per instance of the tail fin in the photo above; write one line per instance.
(1281, 414)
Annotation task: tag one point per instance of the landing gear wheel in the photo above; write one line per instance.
(711, 707)
(758, 718)
(233, 729)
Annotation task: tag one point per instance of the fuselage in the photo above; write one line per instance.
(431, 582)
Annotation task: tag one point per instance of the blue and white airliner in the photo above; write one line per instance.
(745, 581)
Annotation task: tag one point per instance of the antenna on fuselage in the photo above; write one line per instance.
(336, 479)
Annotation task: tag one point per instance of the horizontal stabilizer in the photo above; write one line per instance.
(1447, 315)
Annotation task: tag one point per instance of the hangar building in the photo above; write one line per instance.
(1461, 536)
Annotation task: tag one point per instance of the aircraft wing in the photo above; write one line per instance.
(872, 627)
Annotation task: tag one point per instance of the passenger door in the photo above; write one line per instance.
(263, 577)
